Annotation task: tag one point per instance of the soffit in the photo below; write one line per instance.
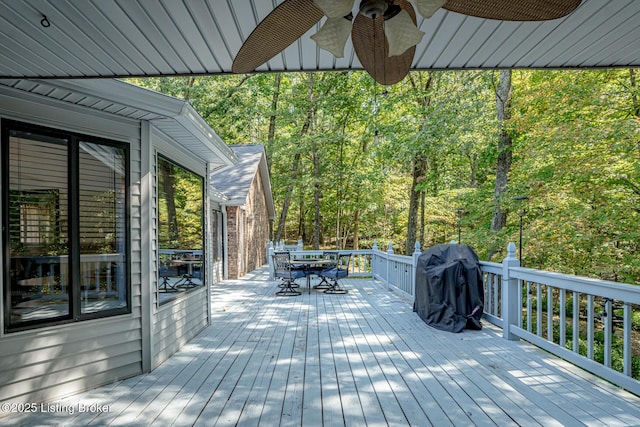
(173, 117)
(107, 38)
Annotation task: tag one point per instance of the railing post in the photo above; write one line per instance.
(389, 252)
(511, 296)
(416, 254)
(374, 258)
(270, 259)
(300, 246)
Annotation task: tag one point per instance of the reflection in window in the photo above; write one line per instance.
(39, 287)
(180, 229)
(67, 237)
(102, 227)
(38, 212)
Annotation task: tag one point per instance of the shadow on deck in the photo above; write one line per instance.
(363, 358)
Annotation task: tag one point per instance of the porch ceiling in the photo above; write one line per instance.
(106, 38)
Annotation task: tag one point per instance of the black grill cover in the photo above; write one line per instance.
(449, 292)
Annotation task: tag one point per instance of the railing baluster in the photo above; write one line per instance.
(529, 308)
(496, 295)
(608, 329)
(590, 326)
(538, 309)
(96, 273)
(520, 283)
(563, 318)
(109, 283)
(576, 322)
(549, 313)
(487, 292)
(52, 279)
(627, 353)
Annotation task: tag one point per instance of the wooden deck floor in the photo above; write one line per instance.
(358, 359)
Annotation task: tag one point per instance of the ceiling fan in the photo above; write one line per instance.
(383, 32)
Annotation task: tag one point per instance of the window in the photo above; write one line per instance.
(180, 230)
(67, 221)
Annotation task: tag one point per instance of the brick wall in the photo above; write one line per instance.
(257, 230)
(233, 234)
(256, 233)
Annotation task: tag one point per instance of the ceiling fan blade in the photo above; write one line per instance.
(510, 10)
(370, 44)
(283, 26)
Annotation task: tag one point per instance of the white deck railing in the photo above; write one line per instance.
(586, 321)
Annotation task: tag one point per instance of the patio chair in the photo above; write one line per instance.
(288, 275)
(326, 255)
(335, 272)
(164, 272)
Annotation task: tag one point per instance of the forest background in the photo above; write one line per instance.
(352, 161)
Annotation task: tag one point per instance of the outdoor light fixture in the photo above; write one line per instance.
(399, 28)
(401, 33)
(521, 200)
(333, 35)
(428, 7)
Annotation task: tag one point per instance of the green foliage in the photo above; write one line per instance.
(576, 155)
(617, 353)
(635, 320)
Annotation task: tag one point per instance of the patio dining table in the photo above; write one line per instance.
(308, 265)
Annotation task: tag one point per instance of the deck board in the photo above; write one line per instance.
(359, 359)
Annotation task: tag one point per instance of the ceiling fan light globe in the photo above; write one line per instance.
(373, 8)
(401, 33)
(335, 8)
(427, 8)
(333, 35)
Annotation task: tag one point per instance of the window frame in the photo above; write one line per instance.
(73, 237)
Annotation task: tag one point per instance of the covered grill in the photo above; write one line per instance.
(449, 293)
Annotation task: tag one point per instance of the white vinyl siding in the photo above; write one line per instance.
(46, 363)
(178, 320)
(53, 361)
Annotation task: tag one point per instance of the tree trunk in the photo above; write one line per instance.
(302, 232)
(317, 218)
(634, 93)
(505, 147)
(187, 88)
(356, 223)
(339, 197)
(168, 188)
(296, 161)
(418, 175)
(423, 197)
(272, 131)
(420, 167)
(273, 115)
